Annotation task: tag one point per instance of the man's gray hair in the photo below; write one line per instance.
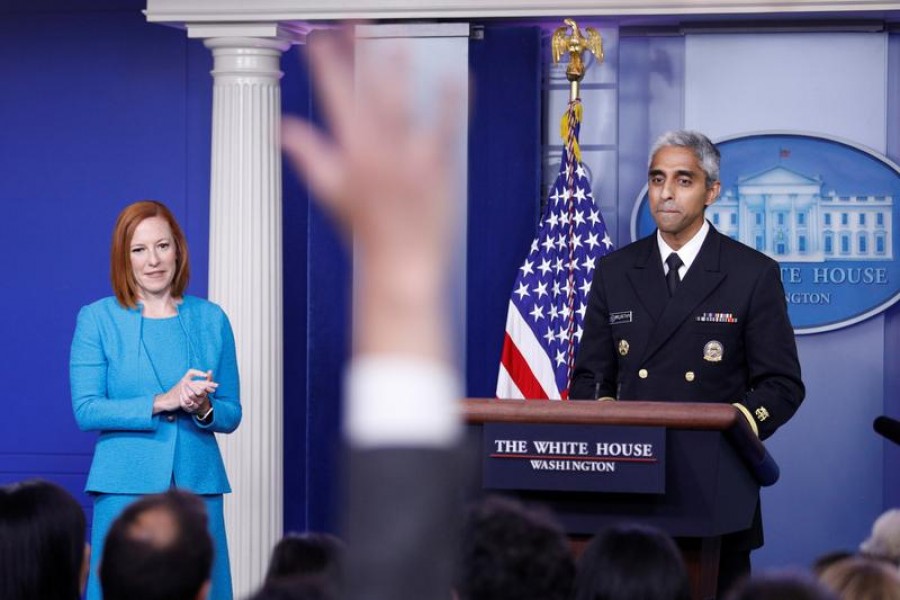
(707, 154)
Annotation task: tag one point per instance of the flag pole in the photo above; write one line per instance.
(575, 45)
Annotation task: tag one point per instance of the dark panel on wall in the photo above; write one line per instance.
(318, 288)
(328, 348)
(504, 187)
(93, 112)
(296, 100)
(892, 316)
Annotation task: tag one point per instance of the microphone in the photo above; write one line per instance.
(888, 428)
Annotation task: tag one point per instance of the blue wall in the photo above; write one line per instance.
(98, 110)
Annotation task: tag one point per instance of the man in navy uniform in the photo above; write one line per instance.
(690, 315)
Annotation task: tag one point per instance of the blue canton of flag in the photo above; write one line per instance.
(545, 321)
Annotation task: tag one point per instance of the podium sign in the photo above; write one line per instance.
(562, 457)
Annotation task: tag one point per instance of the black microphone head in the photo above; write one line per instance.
(888, 428)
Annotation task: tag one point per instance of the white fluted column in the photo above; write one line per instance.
(245, 277)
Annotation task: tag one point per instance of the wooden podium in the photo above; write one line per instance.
(715, 466)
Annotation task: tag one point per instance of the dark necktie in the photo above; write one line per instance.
(672, 278)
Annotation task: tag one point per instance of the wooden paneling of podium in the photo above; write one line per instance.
(715, 466)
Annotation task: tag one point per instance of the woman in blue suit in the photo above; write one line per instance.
(155, 372)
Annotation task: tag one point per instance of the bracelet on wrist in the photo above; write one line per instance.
(206, 415)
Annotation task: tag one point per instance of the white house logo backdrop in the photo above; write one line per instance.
(824, 209)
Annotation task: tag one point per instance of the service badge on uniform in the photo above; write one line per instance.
(623, 347)
(713, 351)
(761, 413)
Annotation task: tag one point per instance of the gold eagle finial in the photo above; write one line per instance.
(575, 45)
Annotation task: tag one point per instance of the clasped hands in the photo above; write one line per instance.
(190, 394)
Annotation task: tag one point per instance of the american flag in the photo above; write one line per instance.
(545, 319)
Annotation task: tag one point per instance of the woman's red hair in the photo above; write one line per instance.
(120, 271)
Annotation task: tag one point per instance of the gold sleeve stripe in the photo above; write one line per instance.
(747, 414)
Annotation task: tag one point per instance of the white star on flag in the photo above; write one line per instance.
(522, 291)
(527, 267)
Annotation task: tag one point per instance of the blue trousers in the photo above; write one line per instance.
(109, 506)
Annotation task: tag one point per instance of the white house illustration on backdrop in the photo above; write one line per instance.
(788, 216)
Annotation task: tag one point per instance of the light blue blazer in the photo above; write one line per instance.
(113, 385)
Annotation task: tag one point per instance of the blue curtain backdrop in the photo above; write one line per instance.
(504, 187)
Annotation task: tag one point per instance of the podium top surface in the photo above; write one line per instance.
(679, 415)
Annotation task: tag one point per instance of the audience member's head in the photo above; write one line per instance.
(829, 558)
(297, 587)
(884, 542)
(42, 543)
(158, 549)
(631, 562)
(316, 554)
(785, 585)
(863, 578)
(510, 551)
